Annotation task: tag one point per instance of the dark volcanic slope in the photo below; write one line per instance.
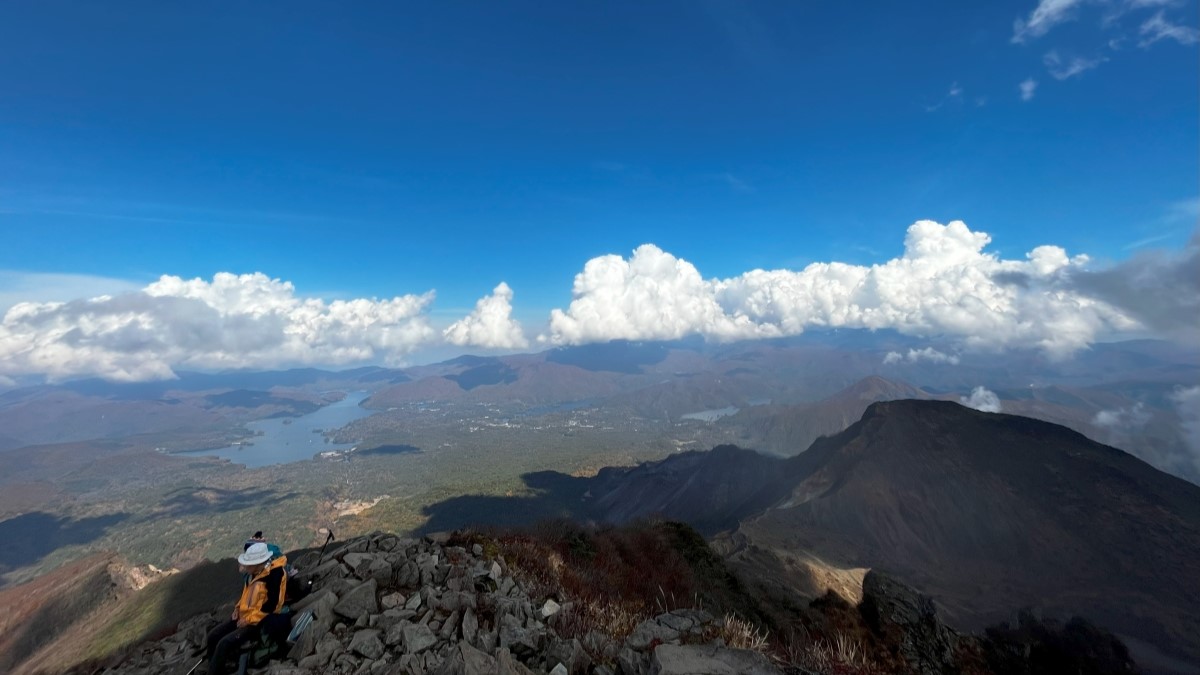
(990, 513)
(710, 490)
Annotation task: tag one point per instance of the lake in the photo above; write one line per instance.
(293, 439)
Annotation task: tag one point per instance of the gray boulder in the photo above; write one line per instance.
(322, 621)
(361, 600)
(417, 638)
(366, 643)
(650, 631)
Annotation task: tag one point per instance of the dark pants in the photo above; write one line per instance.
(224, 642)
(276, 627)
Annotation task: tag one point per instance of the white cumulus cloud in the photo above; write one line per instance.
(491, 325)
(917, 355)
(945, 284)
(651, 296)
(982, 399)
(232, 321)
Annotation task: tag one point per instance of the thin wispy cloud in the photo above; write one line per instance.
(736, 183)
(166, 214)
(954, 94)
(1158, 28)
(18, 286)
(1114, 16)
(1062, 69)
(1140, 243)
(1184, 209)
(1027, 88)
(1047, 14)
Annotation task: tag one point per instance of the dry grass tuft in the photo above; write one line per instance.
(839, 654)
(615, 577)
(741, 634)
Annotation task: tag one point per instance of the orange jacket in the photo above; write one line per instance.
(264, 594)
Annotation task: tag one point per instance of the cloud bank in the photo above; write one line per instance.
(232, 321)
(945, 284)
(491, 325)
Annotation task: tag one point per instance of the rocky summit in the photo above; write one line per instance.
(465, 603)
(382, 604)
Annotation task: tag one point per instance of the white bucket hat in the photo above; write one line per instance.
(255, 555)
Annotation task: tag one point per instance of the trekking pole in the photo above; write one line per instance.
(194, 667)
(329, 538)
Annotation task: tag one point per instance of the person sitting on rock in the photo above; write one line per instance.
(257, 608)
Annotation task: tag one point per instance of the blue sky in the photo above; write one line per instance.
(379, 149)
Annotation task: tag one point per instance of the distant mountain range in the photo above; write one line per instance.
(868, 461)
(1124, 394)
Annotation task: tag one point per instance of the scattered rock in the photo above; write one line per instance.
(383, 605)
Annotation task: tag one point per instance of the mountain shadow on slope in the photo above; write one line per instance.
(710, 491)
(246, 398)
(190, 381)
(488, 373)
(618, 356)
(29, 537)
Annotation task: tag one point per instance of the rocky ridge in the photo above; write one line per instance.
(452, 604)
(385, 605)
